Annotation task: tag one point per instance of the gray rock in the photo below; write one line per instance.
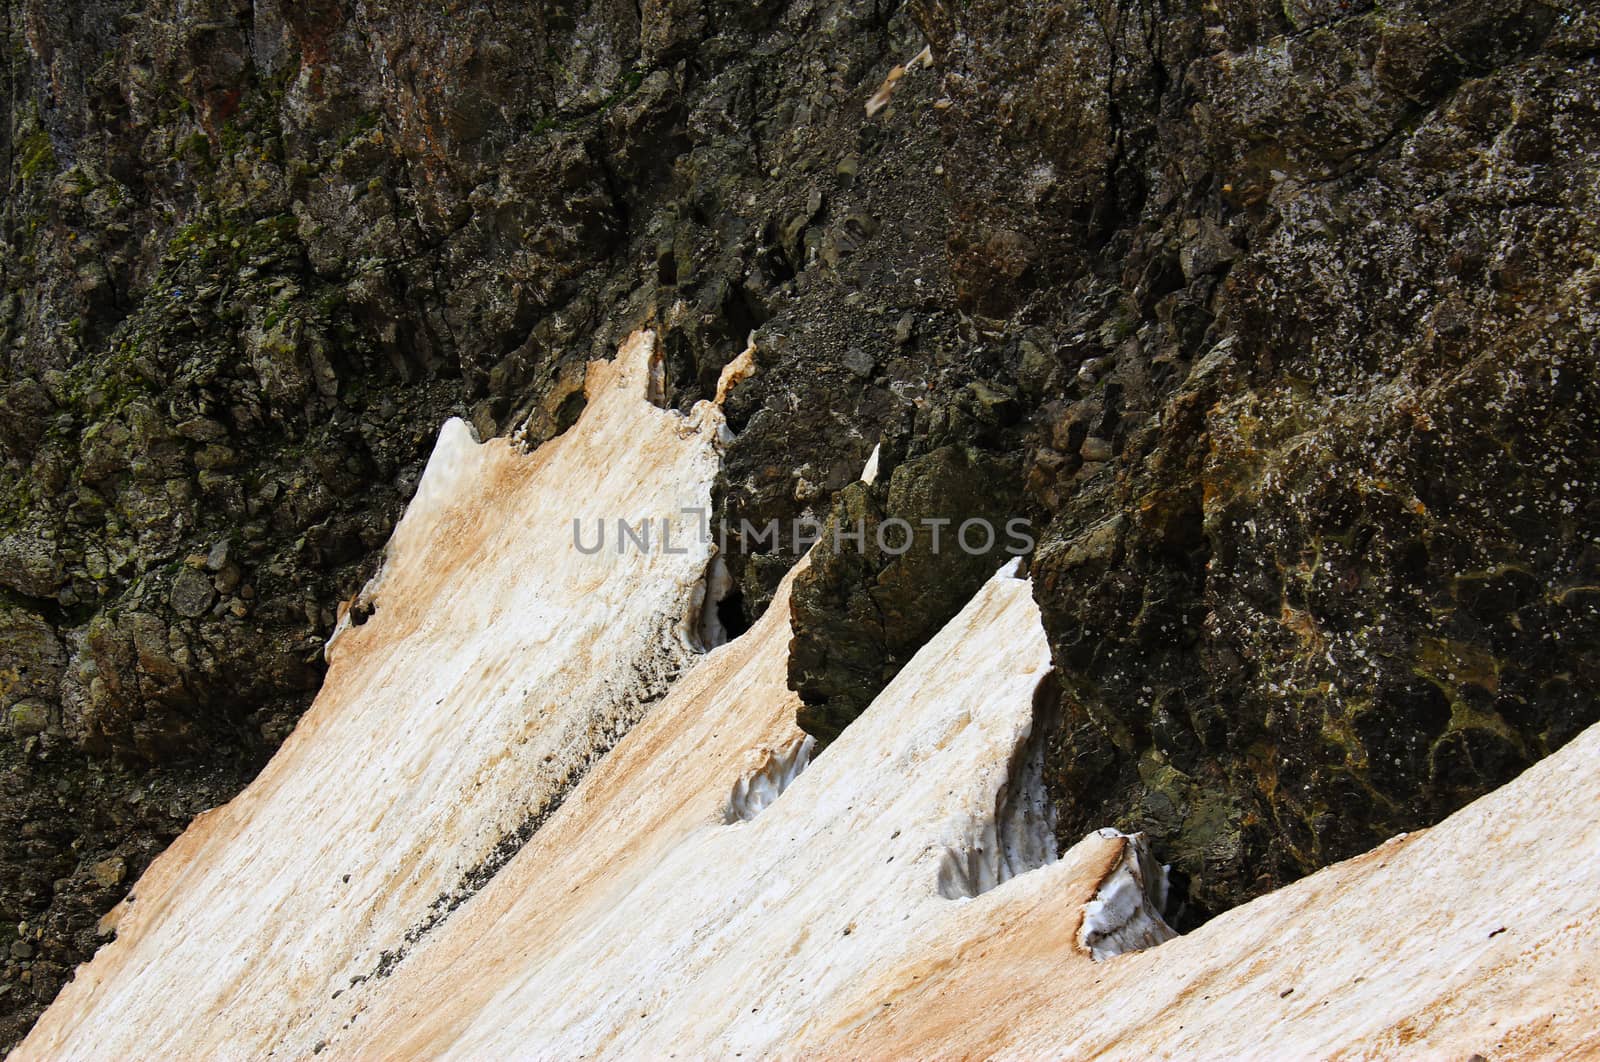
(859, 362)
(192, 594)
(217, 556)
(1206, 248)
(904, 329)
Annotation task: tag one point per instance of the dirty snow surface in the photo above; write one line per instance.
(531, 814)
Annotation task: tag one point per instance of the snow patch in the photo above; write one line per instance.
(869, 474)
(655, 388)
(702, 625)
(737, 371)
(454, 453)
(880, 99)
(1125, 914)
(756, 791)
(1021, 834)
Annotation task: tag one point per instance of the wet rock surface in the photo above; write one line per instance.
(1278, 323)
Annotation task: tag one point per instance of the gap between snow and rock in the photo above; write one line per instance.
(1126, 912)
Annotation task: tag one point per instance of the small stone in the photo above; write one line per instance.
(21, 949)
(214, 456)
(1206, 249)
(795, 226)
(109, 872)
(1036, 364)
(192, 594)
(1050, 460)
(217, 558)
(201, 429)
(995, 404)
(903, 330)
(859, 362)
(227, 580)
(29, 717)
(1095, 449)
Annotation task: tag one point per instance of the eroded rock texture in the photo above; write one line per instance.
(1336, 577)
(1278, 321)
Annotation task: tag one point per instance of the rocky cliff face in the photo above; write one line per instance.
(1279, 322)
